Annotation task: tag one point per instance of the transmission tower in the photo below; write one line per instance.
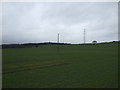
(84, 36)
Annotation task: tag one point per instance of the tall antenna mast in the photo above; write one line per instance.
(58, 39)
(84, 36)
(58, 43)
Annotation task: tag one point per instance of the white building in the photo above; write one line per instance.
(94, 42)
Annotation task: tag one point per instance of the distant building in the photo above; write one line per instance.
(94, 42)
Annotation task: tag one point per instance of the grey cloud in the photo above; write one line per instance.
(39, 22)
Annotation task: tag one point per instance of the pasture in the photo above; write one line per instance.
(73, 66)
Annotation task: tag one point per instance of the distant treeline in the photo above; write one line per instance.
(47, 43)
(31, 45)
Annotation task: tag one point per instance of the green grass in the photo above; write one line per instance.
(74, 66)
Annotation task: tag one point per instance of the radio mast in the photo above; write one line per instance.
(58, 42)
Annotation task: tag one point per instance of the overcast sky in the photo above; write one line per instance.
(41, 22)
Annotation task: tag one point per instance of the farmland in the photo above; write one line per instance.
(73, 66)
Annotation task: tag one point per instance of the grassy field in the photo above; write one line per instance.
(74, 66)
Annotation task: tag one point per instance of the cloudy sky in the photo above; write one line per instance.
(27, 22)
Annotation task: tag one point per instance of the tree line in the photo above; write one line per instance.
(31, 45)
